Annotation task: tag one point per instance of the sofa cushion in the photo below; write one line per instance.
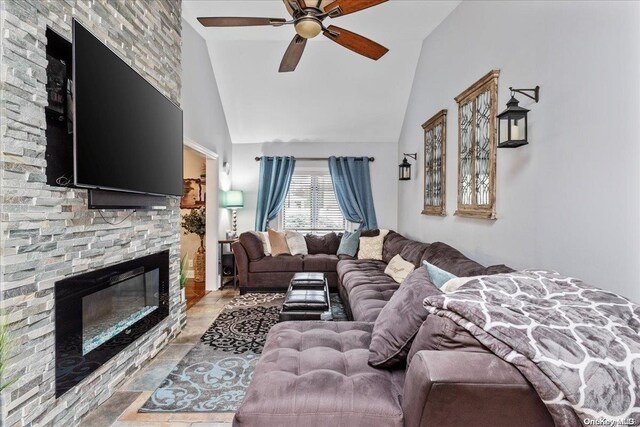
(315, 374)
(278, 281)
(370, 233)
(452, 260)
(275, 264)
(367, 302)
(441, 333)
(497, 269)
(319, 262)
(413, 251)
(366, 287)
(253, 245)
(362, 272)
(400, 319)
(326, 244)
(393, 244)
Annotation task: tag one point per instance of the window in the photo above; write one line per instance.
(311, 205)
(435, 145)
(477, 148)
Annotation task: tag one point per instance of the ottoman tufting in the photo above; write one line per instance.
(317, 374)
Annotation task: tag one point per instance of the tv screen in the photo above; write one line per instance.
(127, 135)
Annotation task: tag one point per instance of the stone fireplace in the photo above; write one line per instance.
(48, 235)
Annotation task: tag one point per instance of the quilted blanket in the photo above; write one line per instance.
(579, 346)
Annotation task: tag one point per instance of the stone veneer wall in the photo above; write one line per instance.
(47, 232)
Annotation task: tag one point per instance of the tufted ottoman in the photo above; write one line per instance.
(316, 374)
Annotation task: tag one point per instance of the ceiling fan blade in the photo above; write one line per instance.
(355, 42)
(293, 54)
(301, 3)
(345, 7)
(240, 22)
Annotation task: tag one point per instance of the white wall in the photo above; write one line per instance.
(569, 200)
(204, 118)
(384, 171)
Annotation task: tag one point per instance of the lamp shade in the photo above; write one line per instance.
(233, 199)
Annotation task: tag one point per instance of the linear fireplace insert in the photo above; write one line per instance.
(100, 313)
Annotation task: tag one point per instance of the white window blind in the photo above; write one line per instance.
(311, 205)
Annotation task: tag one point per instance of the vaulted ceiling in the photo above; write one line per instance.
(334, 95)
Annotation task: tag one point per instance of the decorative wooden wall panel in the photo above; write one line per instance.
(435, 146)
(477, 108)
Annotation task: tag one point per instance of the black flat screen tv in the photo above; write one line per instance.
(127, 135)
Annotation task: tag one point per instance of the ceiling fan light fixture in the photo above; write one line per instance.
(308, 27)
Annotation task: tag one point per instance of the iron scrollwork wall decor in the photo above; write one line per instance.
(435, 146)
(477, 148)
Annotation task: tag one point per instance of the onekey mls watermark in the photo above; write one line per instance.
(611, 422)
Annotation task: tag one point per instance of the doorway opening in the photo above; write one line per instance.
(198, 207)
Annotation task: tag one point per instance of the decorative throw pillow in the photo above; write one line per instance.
(398, 268)
(278, 242)
(442, 333)
(371, 247)
(296, 242)
(400, 319)
(438, 276)
(349, 243)
(455, 283)
(264, 239)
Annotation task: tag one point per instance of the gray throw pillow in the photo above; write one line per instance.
(438, 276)
(400, 319)
(349, 243)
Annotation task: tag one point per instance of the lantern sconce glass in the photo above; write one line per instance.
(512, 127)
(405, 166)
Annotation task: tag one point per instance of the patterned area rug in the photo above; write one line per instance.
(214, 375)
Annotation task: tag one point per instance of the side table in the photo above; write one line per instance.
(227, 264)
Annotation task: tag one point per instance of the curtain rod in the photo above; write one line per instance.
(314, 159)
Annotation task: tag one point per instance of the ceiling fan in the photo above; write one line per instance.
(308, 17)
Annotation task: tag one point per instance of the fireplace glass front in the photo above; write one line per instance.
(110, 311)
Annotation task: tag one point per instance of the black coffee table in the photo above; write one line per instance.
(307, 298)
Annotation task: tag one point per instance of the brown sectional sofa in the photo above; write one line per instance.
(365, 288)
(258, 272)
(314, 373)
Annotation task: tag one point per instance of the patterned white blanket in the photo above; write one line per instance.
(579, 346)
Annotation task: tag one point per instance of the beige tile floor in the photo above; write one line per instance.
(121, 410)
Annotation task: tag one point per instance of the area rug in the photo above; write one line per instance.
(215, 374)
